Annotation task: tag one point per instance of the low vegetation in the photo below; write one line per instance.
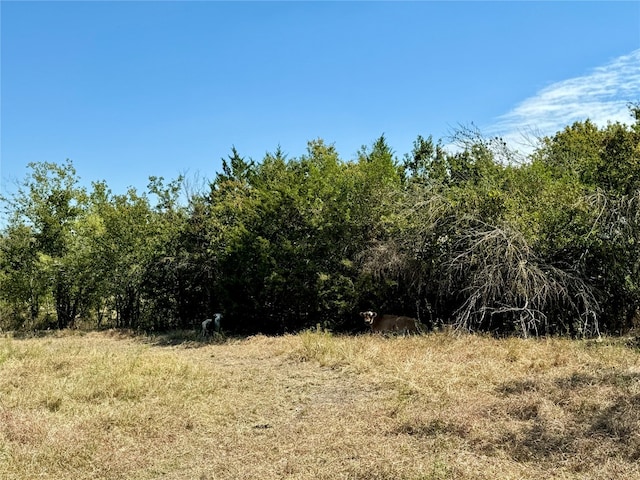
(108, 405)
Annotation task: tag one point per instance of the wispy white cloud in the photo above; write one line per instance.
(603, 95)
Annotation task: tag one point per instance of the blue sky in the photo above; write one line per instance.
(132, 89)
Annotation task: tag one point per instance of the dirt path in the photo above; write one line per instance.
(295, 417)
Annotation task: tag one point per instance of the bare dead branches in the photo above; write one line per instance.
(503, 283)
(489, 276)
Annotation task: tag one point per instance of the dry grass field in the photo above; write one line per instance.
(316, 406)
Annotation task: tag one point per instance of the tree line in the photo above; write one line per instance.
(477, 237)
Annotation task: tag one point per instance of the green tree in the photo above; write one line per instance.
(52, 205)
(171, 285)
(122, 250)
(595, 229)
(427, 162)
(283, 236)
(23, 281)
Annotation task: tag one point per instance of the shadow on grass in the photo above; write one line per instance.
(184, 338)
(29, 334)
(173, 338)
(595, 416)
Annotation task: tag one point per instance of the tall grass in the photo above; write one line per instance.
(313, 405)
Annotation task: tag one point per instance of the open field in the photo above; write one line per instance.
(315, 406)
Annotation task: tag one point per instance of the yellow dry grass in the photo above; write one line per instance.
(316, 406)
